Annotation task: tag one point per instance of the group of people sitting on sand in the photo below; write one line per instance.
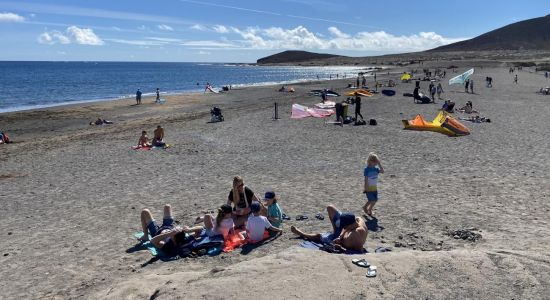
(468, 108)
(250, 220)
(157, 141)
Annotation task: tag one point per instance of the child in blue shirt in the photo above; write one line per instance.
(374, 167)
(274, 212)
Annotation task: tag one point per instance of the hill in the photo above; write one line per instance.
(532, 34)
(293, 57)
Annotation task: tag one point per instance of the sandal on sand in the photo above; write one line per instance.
(285, 217)
(360, 262)
(319, 216)
(301, 217)
(371, 271)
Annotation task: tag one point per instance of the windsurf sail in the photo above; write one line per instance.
(460, 79)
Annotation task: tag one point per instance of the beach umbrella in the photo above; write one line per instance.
(460, 79)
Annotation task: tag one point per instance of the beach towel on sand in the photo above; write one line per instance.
(147, 148)
(319, 246)
(213, 246)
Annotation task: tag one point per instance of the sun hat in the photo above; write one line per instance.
(269, 195)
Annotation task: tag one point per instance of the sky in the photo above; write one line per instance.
(242, 30)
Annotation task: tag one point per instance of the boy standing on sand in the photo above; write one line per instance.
(374, 167)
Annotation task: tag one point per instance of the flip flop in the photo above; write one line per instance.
(382, 250)
(285, 217)
(319, 216)
(301, 217)
(371, 271)
(363, 263)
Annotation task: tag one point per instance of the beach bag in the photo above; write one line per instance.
(372, 122)
(348, 120)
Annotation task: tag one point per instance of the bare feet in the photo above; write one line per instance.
(296, 231)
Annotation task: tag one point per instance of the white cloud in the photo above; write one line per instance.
(165, 27)
(165, 40)
(82, 36)
(10, 17)
(210, 44)
(32, 15)
(337, 33)
(136, 42)
(204, 53)
(199, 27)
(301, 38)
(220, 29)
(53, 37)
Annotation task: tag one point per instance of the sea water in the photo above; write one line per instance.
(29, 85)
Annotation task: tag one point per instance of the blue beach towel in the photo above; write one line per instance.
(214, 246)
(151, 248)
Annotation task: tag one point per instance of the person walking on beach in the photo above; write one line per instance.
(472, 86)
(364, 82)
(138, 97)
(433, 90)
(516, 79)
(466, 84)
(158, 96)
(357, 83)
(373, 168)
(324, 96)
(439, 90)
(358, 107)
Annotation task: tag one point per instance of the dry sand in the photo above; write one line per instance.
(71, 196)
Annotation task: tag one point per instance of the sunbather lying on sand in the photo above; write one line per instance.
(167, 236)
(349, 232)
(99, 121)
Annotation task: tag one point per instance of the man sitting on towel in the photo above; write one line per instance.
(158, 138)
(349, 232)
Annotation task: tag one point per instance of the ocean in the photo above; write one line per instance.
(31, 85)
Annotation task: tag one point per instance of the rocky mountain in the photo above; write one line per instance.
(532, 34)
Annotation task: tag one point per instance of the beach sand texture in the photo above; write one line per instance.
(71, 195)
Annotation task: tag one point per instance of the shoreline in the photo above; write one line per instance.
(165, 94)
(367, 68)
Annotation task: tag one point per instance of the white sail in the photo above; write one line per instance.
(460, 79)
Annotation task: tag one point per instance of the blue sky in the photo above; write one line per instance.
(242, 31)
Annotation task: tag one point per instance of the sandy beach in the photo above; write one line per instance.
(71, 194)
